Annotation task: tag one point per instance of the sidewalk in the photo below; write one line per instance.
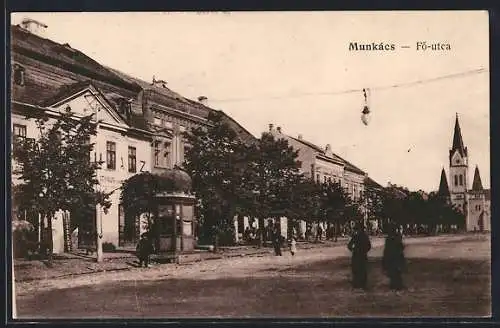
(75, 264)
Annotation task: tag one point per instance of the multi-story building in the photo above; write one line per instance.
(322, 165)
(142, 123)
(475, 202)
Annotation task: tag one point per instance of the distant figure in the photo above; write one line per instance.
(144, 250)
(293, 246)
(320, 232)
(276, 239)
(359, 245)
(393, 261)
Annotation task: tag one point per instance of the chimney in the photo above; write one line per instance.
(271, 127)
(203, 100)
(34, 27)
(300, 137)
(278, 129)
(328, 148)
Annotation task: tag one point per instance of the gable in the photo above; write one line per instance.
(456, 159)
(89, 101)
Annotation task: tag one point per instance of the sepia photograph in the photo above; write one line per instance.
(247, 165)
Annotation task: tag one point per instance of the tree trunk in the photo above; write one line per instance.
(337, 230)
(50, 241)
(261, 231)
(316, 239)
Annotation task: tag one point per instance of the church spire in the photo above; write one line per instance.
(458, 143)
(477, 184)
(443, 185)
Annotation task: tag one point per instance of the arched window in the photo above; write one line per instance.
(456, 180)
(461, 180)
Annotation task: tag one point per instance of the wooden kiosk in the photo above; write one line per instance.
(174, 224)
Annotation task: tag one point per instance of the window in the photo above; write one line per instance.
(157, 153)
(324, 179)
(318, 178)
(456, 180)
(132, 161)
(19, 131)
(18, 75)
(461, 180)
(111, 155)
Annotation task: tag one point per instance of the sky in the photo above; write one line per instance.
(291, 68)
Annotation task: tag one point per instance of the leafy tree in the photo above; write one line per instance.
(56, 169)
(272, 176)
(217, 161)
(336, 205)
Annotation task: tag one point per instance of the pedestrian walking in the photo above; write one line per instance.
(393, 261)
(144, 249)
(359, 245)
(293, 246)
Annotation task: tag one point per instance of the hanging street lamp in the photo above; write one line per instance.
(365, 114)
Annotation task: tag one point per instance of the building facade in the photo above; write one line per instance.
(320, 164)
(473, 201)
(142, 122)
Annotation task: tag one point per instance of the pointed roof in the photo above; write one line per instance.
(443, 185)
(458, 143)
(477, 184)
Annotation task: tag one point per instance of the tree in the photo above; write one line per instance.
(393, 205)
(336, 204)
(216, 161)
(56, 169)
(273, 174)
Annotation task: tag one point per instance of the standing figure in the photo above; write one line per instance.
(293, 246)
(359, 245)
(144, 250)
(276, 236)
(320, 232)
(393, 261)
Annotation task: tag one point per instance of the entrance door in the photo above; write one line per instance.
(128, 227)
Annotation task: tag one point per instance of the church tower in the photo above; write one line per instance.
(478, 218)
(459, 169)
(444, 191)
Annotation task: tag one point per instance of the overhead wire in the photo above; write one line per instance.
(347, 91)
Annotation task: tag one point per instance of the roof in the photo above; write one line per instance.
(477, 185)
(443, 185)
(238, 128)
(62, 55)
(369, 182)
(458, 143)
(349, 166)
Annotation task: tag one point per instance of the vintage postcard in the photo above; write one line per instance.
(321, 164)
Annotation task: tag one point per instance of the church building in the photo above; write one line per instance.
(474, 201)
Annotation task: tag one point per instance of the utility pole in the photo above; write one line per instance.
(14, 304)
(98, 211)
(99, 233)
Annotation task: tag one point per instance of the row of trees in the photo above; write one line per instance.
(263, 180)
(409, 208)
(260, 180)
(229, 176)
